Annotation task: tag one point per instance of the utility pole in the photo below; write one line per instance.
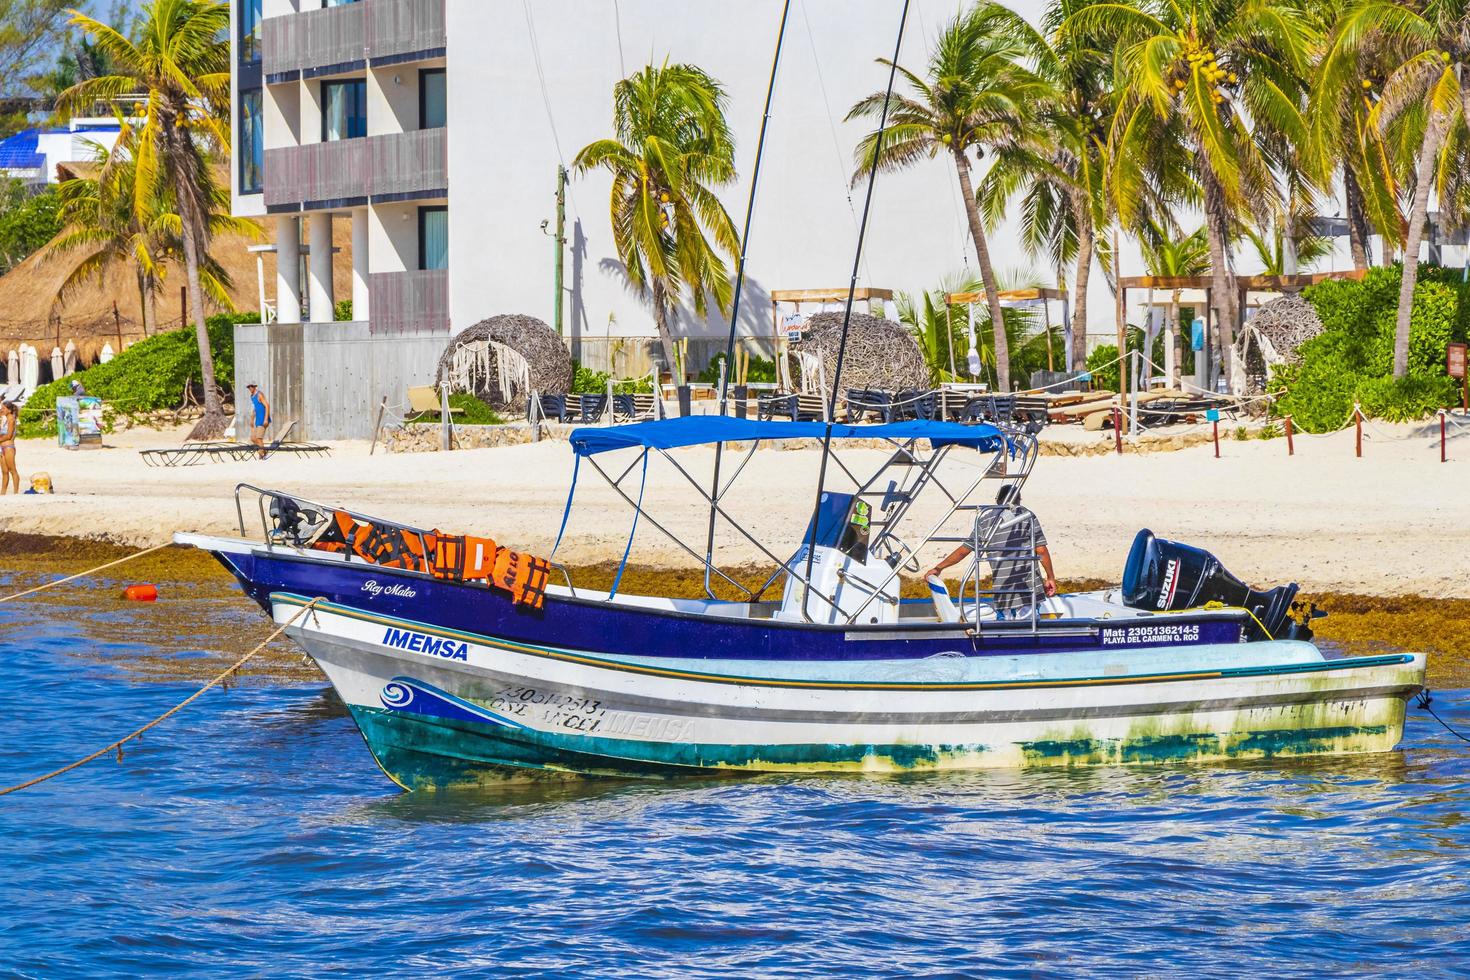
(560, 242)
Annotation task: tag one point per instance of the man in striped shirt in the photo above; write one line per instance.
(1019, 581)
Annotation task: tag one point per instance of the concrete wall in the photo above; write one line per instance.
(331, 377)
(504, 151)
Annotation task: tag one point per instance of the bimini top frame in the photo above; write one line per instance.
(1014, 453)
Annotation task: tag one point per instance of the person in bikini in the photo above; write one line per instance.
(9, 422)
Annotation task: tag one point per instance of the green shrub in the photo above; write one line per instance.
(1351, 361)
(586, 381)
(342, 312)
(761, 370)
(148, 376)
(1102, 363)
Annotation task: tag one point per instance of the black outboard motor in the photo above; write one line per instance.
(1163, 575)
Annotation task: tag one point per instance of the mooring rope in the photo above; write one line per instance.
(1423, 702)
(90, 571)
(219, 679)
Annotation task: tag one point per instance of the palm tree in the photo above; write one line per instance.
(102, 222)
(672, 147)
(1165, 254)
(99, 220)
(180, 58)
(1220, 76)
(1426, 51)
(977, 95)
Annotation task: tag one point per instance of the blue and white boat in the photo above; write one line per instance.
(455, 682)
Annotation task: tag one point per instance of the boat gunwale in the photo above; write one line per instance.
(860, 631)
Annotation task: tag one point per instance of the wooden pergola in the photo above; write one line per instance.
(1243, 284)
(1044, 295)
(796, 297)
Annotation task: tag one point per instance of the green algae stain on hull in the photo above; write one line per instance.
(420, 752)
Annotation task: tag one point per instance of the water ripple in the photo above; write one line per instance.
(253, 834)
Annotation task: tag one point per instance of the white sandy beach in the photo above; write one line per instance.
(1394, 522)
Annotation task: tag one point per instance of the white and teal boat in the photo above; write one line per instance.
(442, 708)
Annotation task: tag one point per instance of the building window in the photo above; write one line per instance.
(432, 92)
(337, 3)
(434, 237)
(344, 110)
(247, 16)
(251, 151)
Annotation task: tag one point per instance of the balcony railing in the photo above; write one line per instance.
(349, 33)
(409, 302)
(402, 27)
(314, 39)
(409, 163)
(397, 166)
(331, 171)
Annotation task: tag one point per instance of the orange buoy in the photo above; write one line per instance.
(141, 593)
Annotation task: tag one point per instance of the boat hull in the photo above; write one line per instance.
(441, 708)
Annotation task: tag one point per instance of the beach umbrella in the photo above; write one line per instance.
(12, 368)
(58, 365)
(69, 357)
(106, 355)
(30, 368)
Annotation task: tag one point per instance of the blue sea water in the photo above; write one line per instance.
(253, 834)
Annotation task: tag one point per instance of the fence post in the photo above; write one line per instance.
(1290, 446)
(1215, 434)
(1118, 429)
(1443, 454)
(1358, 425)
(444, 416)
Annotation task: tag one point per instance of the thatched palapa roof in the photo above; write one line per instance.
(31, 313)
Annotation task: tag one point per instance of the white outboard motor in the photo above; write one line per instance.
(848, 584)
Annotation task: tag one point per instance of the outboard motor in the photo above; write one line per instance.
(1163, 575)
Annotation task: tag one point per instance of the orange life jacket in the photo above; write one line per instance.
(340, 535)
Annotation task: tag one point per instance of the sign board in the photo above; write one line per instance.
(1197, 335)
(79, 422)
(1454, 360)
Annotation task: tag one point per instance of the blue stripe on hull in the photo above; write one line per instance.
(620, 630)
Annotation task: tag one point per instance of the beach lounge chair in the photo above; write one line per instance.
(192, 453)
(862, 402)
(589, 407)
(552, 408)
(912, 403)
(424, 400)
(635, 407)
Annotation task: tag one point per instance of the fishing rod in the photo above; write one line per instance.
(811, 545)
(755, 176)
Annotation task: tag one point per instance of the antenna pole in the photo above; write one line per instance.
(755, 176)
(811, 545)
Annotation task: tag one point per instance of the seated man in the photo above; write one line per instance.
(1015, 579)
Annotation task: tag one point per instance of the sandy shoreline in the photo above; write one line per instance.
(1395, 522)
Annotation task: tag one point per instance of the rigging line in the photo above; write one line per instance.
(755, 176)
(546, 95)
(832, 127)
(811, 549)
(618, 27)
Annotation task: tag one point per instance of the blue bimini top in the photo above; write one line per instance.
(704, 430)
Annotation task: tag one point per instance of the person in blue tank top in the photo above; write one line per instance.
(260, 417)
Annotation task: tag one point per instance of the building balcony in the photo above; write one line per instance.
(333, 39)
(409, 165)
(335, 171)
(404, 29)
(314, 41)
(392, 167)
(409, 302)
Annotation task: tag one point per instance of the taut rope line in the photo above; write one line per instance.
(90, 571)
(219, 679)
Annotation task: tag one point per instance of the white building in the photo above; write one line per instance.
(32, 155)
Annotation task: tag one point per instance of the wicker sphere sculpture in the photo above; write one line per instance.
(1286, 323)
(880, 354)
(1275, 336)
(472, 364)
